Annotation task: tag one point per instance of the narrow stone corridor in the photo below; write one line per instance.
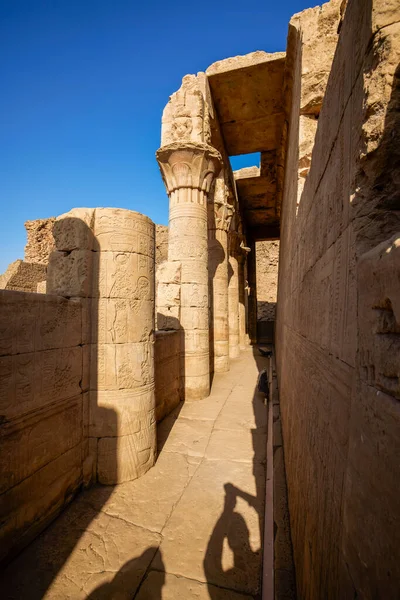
(189, 528)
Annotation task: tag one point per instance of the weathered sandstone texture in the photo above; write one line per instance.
(267, 260)
(29, 274)
(220, 212)
(167, 372)
(106, 257)
(337, 337)
(40, 240)
(161, 244)
(233, 295)
(42, 412)
(168, 295)
(22, 276)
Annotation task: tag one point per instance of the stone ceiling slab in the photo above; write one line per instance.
(247, 94)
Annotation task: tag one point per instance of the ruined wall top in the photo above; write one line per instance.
(186, 117)
(40, 240)
(318, 28)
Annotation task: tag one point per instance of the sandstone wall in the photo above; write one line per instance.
(167, 371)
(42, 407)
(22, 276)
(338, 316)
(40, 240)
(267, 259)
(161, 244)
(29, 275)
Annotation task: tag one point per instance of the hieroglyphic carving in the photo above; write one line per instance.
(118, 283)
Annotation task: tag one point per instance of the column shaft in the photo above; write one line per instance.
(252, 300)
(242, 302)
(234, 349)
(188, 171)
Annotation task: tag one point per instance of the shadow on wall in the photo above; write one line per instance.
(217, 255)
(170, 370)
(235, 529)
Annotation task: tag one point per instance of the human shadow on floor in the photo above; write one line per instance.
(131, 581)
(231, 526)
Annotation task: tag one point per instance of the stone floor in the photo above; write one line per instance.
(189, 529)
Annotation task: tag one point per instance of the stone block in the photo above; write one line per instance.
(195, 318)
(30, 443)
(194, 295)
(123, 275)
(70, 273)
(187, 247)
(22, 276)
(168, 318)
(168, 294)
(121, 412)
(161, 244)
(31, 381)
(196, 340)
(121, 320)
(126, 457)
(169, 272)
(194, 272)
(41, 287)
(121, 366)
(29, 322)
(27, 508)
(73, 230)
(120, 230)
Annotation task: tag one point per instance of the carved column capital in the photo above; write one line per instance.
(188, 166)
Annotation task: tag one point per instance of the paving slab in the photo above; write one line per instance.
(243, 414)
(83, 551)
(187, 436)
(238, 445)
(148, 501)
(159, 585)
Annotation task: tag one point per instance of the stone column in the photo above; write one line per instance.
(252, 298)
(242, 300)
(188, 170)
(107, 256)
(220, 216)
(233, 295)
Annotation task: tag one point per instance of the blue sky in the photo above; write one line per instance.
(83, 86)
